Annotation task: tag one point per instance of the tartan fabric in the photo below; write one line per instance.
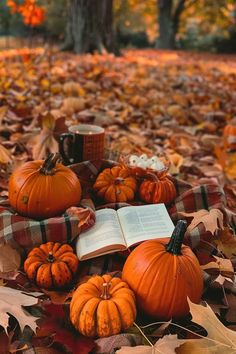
(27, 232)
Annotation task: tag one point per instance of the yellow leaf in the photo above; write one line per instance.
(45, 83)
(2, 282)
(176, 161)
(3, 112)
(48, 121)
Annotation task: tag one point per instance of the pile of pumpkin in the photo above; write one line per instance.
(158, 276)
(43, 189)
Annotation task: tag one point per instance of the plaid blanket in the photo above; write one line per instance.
(27, 233)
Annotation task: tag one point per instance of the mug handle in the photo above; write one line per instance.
(63, 137)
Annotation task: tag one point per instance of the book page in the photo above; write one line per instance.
(105, 232)
(145, 222)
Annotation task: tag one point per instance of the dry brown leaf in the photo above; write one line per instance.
(226, 242)
(11, 301)
(10, 259)
(44, 144)
(73, 104)
(230, 302)
(5, 155)
(212, 220)
(166, 345)
(222, 265)
(176, 161)
(3, 111)
(219, 338)
(72, 88)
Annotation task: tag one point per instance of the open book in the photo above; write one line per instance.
(117, 230)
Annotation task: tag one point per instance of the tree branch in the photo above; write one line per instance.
(178, 11)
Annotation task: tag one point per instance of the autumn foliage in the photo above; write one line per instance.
(32, 14)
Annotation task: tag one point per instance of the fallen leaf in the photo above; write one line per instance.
(10, 259)
(2, 282)
(45, 143)
(165, 345)
(176, 161)
(72, 105)
(226, 242)
(222, 266)
(54, 324)
(212, 220)
(230, 302)
(5, 155)
(3, 111)
(219, 338)
(11, 301)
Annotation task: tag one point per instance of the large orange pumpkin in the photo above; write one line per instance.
(157, 189)
(51, 265)
(42, 189)
(115, 185)
(163, 274)
(103, 306)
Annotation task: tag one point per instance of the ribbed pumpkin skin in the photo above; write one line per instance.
(115, 185)
(93, 316)
(230, 136)
(39, 196)
(161, 191)
(55, 274)
(162, 281)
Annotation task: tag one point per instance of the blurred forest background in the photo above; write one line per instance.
(199, 25)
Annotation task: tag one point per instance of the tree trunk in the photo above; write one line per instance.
(90, 27)
(168, 22)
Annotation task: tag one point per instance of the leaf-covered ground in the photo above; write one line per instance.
(149, 102)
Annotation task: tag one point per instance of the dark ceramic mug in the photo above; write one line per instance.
(83, 142)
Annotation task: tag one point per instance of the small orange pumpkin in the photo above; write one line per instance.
(163, 273)
(51, 265)
(229, 135)
(43, 189)
(157, 189)
(103, 306)
(115, 185)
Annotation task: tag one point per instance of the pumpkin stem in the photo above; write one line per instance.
(176, 240)
(50, 258)
(105, 291)
(49, 164)
(119, 180)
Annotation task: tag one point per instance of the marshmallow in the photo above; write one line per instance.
(133, 160)
(142, 164)
(157, 166)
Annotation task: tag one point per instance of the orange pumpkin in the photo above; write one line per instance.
(157, 189)
(103, 306)
(163, 274)
(51, 265)
(229, 135)
(43, 189)
(115, 185)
